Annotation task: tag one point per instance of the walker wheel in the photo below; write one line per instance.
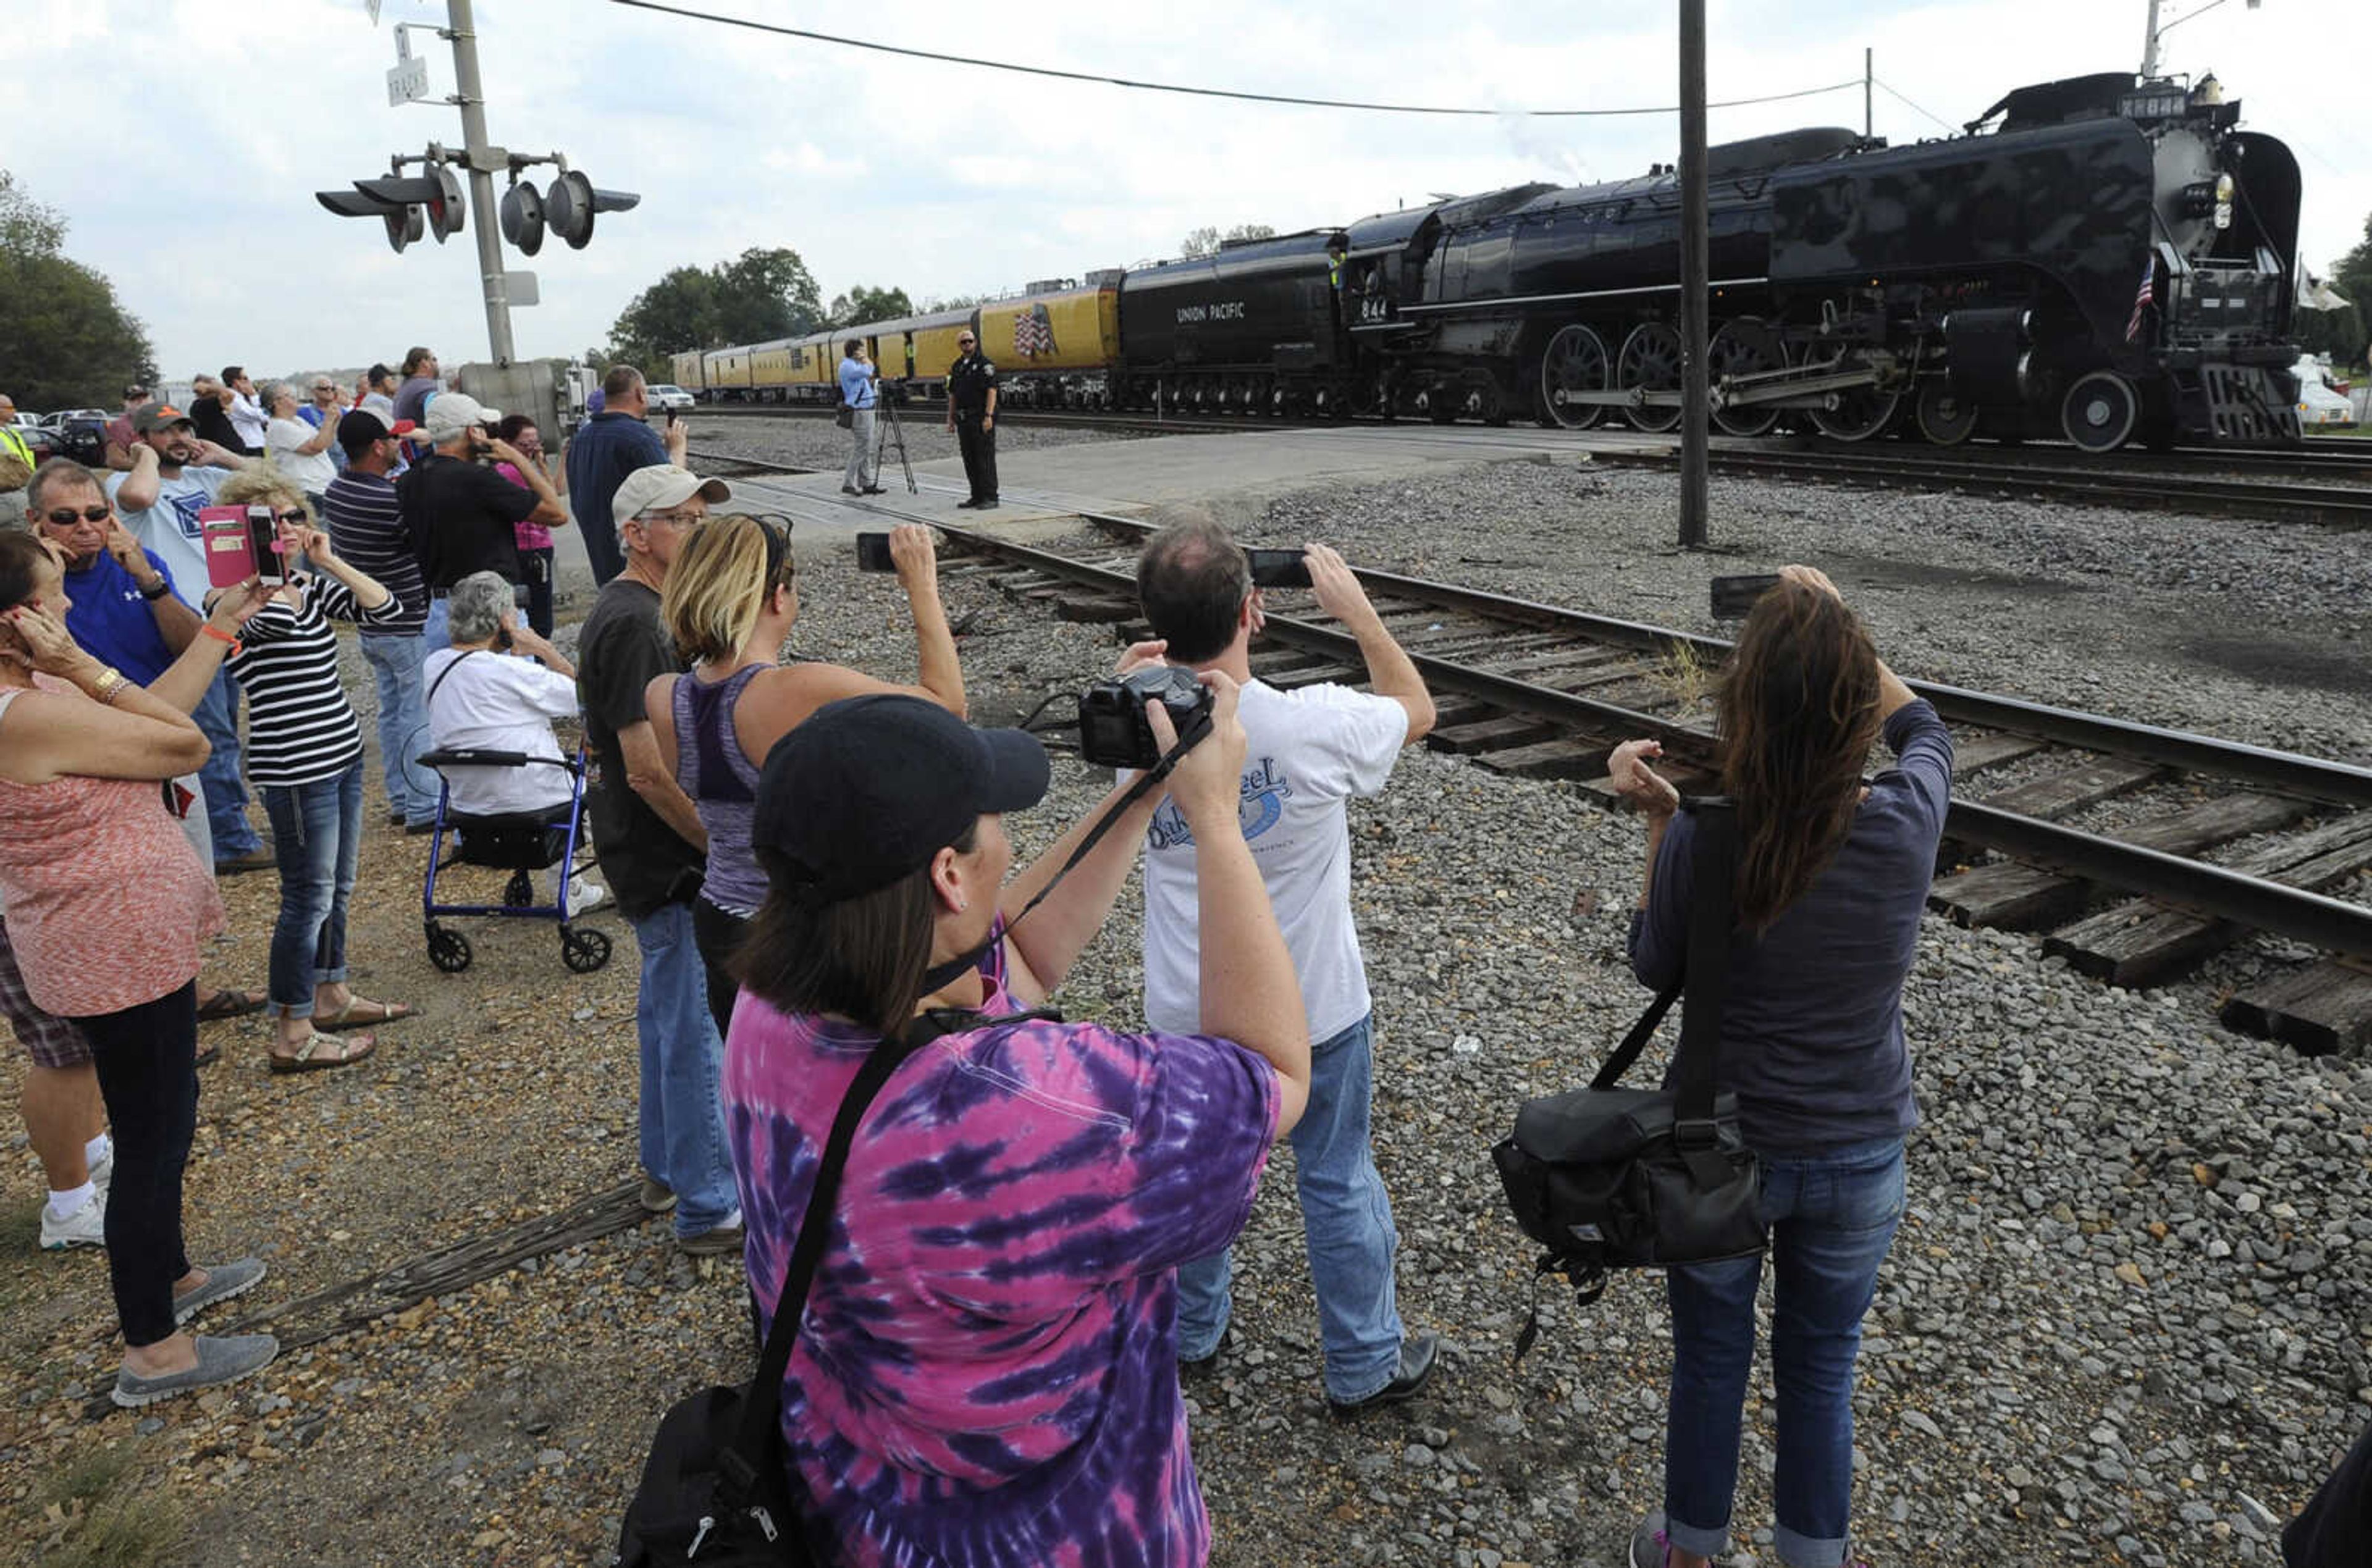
(583, 949)
(448, 951)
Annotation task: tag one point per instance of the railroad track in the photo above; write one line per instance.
(2338, 505)
(1540, 691)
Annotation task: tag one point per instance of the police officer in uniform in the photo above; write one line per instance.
(971, 414)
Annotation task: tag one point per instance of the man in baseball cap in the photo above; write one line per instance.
(119, 437)
(662, 487)
(366, 524)
(650, 843)
(462, 516)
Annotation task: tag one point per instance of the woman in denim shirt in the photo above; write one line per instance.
(1832, 876)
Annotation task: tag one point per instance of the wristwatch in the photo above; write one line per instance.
(110, 682)
(155, 591)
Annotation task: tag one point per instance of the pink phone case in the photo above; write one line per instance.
(230, 557)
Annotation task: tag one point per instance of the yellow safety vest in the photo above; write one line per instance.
(14, 445)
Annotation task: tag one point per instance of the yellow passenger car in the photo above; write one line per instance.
(685, 370)
(725, 372)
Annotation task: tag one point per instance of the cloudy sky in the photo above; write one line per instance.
(183, 138)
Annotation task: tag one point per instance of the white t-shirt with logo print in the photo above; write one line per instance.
(1310, 750)
(170, 525)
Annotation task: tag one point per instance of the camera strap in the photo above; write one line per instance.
(1198, 726)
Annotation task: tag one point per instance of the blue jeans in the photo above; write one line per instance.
(1346, 1221)
(217, 715)
(402, 725)
(438, 631)
(1832, 1218)
(683, 1074)
(316, 830)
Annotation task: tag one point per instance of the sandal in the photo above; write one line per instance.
(361, 1011)
(315, 1054)
(229, 1004)
(207, 1056)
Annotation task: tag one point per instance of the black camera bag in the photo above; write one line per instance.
(1608, 1178)
(716, 1491)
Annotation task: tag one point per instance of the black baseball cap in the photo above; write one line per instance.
(869, 788)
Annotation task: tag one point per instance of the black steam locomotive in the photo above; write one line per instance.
(2104, 259)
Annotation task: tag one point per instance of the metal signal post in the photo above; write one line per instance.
(483, 159)
(1695, 380)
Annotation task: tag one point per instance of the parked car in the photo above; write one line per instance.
(63, 417)
(2319, 407)
(668, 396)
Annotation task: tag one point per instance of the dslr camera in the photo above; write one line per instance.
(1113, 730)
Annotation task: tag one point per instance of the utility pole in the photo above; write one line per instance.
(485, 159)
(2149, 46)
(1695, 382)
(1868, 72)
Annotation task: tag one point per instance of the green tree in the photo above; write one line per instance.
(760, 295)
(64, 338)
(2341, 334)
(932, 303)
(861, 305)
(1206, 241)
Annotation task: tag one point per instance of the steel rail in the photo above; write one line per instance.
(2336, 507)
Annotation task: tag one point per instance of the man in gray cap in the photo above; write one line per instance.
(459, 512)
(653, 848)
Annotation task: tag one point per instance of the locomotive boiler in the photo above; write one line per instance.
(2107, 260)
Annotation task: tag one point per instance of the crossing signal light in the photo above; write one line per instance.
(569, 207)
(437, 194)
(523, 218)
(405, 221)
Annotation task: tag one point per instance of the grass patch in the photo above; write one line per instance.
(98, 1513)
(1688, 678)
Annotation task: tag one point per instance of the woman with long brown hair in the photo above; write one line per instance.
(1831, 879)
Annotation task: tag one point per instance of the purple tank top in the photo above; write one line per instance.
(723, 784)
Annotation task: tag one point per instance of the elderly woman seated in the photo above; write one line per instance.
(480, 698)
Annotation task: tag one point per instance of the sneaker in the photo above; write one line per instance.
(874, 489)
(223, 1282)
(104, 1171)
(585, 896)
(1409, 1379)
(989, 506)
(1648, 1547)
(718, 1239)
(257, 859)
(1201, 1366)
(219, 1361)
(850, 490)
(657, 1197)
(967, 504)
(86, 1226)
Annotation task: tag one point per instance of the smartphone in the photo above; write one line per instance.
(873, 554)
(240, 543)
(1279, 568)
(670, 417)
(1733, 598)
(263, 537)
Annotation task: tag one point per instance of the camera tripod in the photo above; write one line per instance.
(892, 434)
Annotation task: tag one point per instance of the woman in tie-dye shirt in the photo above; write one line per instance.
(986, 1371)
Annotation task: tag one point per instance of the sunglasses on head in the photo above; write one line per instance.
(66, 517)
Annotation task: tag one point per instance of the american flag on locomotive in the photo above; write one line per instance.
(1033, 332)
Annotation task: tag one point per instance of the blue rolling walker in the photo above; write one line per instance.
(519, 842)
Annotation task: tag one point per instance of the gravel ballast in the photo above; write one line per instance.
(2129, 1315)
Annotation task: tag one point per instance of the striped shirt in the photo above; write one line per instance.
(366, 530)
(300, 728)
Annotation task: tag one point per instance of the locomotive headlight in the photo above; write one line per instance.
(2223, 187)
(2223, 215)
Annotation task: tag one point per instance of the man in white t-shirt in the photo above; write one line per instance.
(1311, 750)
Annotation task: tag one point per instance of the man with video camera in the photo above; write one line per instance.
(1310, 751)
(460, 513)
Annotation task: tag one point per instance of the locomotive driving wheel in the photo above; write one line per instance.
(1945, 418)
(1576, 361)
(2100, 412)
(1650, 361)
(1860, 414)
(1745, 346)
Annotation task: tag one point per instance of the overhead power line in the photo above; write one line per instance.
(1207, 92)
(1922, 109)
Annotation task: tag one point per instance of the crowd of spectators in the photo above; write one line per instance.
(815, 866)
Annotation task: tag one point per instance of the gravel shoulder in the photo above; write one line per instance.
(2126, 1318)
